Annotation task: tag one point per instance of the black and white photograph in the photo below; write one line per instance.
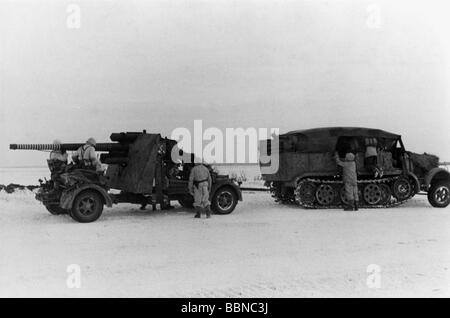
(242, 150)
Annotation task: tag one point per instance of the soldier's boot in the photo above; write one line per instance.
(199, 211)
(208, 212)
(355, 206)
(349, 206)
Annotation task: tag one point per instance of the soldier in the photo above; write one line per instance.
(58, 161)
(86, 156)
(199, 187)
(60, 155)
(371, 157)
(349, 177)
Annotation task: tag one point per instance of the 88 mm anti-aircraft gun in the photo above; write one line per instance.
(140, 170)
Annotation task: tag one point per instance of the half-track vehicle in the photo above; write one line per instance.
(308, 174)
(139, 170)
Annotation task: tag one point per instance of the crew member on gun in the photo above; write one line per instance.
(57, 162)
(60, 154)
(86, 158)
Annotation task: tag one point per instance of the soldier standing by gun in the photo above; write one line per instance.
(199, 187)
(86, 158)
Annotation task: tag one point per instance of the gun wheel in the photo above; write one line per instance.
(224, 200)
(87, 207)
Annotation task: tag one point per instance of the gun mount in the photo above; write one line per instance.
(139, 166)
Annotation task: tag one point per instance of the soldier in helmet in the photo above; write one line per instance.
(371, 157)
(57, 161)
(349, 177)
(60, 155)
(199, 187)
(86, 157)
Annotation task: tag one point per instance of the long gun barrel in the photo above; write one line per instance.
(98, 147)
(117, 151)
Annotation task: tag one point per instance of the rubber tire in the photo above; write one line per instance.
(187, 202)
(56, 209)
(432, 190)
(214, 202)
(76, 213)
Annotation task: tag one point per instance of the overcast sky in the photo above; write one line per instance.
(158, 65)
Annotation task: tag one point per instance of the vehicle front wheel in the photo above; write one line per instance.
(87, 207)
(56, 209)
(439, 194)
(224, 200)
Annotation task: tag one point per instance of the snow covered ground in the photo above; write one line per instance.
(262, 249)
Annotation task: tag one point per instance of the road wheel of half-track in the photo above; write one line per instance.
(325, 194)
(372, 194)
(402, 189)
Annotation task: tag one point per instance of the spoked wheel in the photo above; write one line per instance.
(402, 189)
(87, 207)
(385, 194)
(305, 192)
(372, 194)
(325, 194)
(224, 201)
(439, 194)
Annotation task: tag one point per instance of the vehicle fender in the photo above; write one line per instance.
(232, 185)
(436, 174)
(69, 196)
